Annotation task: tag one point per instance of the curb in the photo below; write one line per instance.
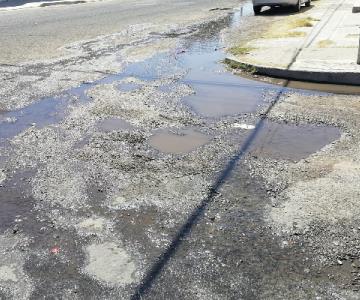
(347, 78)
(356, 7)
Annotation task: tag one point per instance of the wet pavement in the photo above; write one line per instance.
(142, 184)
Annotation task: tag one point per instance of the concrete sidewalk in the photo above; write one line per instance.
(323, 39)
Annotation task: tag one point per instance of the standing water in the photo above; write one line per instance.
(217, 92)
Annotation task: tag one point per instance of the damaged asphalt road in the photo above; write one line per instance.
(138, 184)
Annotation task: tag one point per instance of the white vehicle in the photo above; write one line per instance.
(295, 4)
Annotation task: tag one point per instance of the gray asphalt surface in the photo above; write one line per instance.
(97, 203)
(38, 33)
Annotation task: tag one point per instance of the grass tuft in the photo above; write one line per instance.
(325, 43)
(303, 22)
(240, 66)
(238, 50)
(285, 34)
(283, 29)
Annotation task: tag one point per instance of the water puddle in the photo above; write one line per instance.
(181, 142)
(323, 87)
(218, 92)
(216, 101)
(128, 86)
(292, 142)
(197, 63)
(80, 92)
(114, 124)
(39, 114)
(307, 88)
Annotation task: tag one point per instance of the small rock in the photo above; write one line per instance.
(243, 126)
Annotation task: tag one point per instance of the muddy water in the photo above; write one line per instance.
(218, 92)
(274, 140)
(113, 124)
(328, 88)
(217, 101)
(181, 142)
(292, 142)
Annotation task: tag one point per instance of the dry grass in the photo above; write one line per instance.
(239, 50)
(285, 28)
(303, 22)
(283, 34)
(248, 68)
(325, 43)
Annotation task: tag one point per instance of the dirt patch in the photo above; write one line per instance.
(12, 273)
(329, 198)
(92, 225)
(110, 263)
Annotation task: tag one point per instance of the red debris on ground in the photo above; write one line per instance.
(55, 250)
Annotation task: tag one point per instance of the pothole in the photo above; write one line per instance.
(110, 263)
(217, 101)
(292, 142)
(113, 124)
(181, 142)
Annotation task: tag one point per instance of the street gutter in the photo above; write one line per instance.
(347, 78)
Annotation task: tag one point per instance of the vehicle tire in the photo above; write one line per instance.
(308, 3)
(297, 7)
(257, 9)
